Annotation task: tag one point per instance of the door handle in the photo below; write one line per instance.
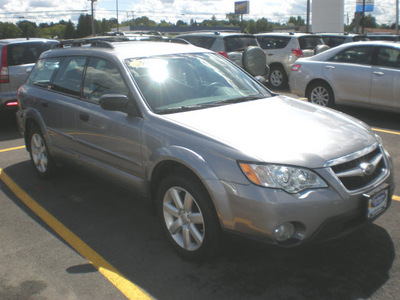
(84, 117)
(44, 104)
(270, 54)
(330, 67)
(379, 73)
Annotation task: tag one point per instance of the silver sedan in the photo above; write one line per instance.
(359, 74)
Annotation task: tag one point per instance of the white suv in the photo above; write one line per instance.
(283, 49)
(238, 47)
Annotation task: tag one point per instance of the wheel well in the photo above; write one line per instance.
(162, 170)
(312, 82)
(275, 64)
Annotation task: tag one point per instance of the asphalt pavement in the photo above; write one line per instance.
(78, 237)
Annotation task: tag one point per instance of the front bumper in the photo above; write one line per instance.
(318, 215)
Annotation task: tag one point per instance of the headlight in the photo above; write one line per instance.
(290, 179)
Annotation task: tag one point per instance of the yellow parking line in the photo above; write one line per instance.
(386, 131)
(397, 198)
(130, 290)
(11, 149)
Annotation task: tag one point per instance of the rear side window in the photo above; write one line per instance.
(200, 41)
(26, 53)
(44, 71)
(310, 42)
(388, 57)
(267, 42)
(356, 55)
(239, 43)
(69, 77)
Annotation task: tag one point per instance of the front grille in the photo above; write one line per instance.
(357, 173)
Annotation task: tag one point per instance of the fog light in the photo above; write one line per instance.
(284, 232)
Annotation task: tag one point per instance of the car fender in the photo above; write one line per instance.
(198, 165)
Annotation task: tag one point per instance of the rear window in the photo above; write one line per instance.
(333, 41)
(26, 53)
(200, 41)
(44, 71)
(268, 42)
(310, 42)
(239, 43)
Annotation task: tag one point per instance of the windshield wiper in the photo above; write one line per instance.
(240, 99)
(182, 108)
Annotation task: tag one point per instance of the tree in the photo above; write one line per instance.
(9, 30)
(28, 28)
(84, 27)
(69, 31)
(297, 22)
(233, 19)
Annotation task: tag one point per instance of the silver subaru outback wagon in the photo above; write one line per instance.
(210, 147)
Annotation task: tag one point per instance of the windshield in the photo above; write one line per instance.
(192, 81)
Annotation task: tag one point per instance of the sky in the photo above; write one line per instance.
(46, 11)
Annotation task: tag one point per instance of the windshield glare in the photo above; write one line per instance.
(173, 82)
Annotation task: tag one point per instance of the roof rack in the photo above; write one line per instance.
(100, 41)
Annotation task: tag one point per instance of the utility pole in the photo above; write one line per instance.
(397, 17)
(93, 20)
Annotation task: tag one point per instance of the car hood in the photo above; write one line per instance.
(280, 130)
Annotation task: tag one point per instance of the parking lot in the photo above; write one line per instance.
(78, 237)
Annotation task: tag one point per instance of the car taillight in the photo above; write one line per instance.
(4, 66)
(298, 52)
(12, 103)
(223, 53)
(295, 67)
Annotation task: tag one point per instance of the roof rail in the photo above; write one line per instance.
(100, 41)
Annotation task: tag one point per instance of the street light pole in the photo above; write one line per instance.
(117, 16)
(93, 20)
(308, 17)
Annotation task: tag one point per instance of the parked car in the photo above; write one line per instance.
(283, 49)
(360, 74)
(16, 57)
(207, 144)
(238, 47)
(383, 37)
(336, 39)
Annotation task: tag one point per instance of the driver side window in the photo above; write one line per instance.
(102, 77)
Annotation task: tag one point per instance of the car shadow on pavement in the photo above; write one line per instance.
(125, 232)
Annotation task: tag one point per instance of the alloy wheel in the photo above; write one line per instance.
(183, 218)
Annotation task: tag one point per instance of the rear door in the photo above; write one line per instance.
(236, 44)
(350, 73)
(385, 88)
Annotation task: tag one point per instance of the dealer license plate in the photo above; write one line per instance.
(377, 203)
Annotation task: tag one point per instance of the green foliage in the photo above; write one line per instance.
(9, 30)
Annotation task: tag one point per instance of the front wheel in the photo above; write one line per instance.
(187, 216)
(321, 93)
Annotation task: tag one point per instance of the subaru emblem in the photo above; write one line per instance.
(367, 168)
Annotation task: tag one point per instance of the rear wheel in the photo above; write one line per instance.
(39, 153)
(277, 78)
(187, 216)
(321, 93)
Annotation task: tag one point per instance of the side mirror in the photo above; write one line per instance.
(114, 102)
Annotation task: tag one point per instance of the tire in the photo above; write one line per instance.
(187, 217)
(321, 93)
(39, 153)
(277, 78)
